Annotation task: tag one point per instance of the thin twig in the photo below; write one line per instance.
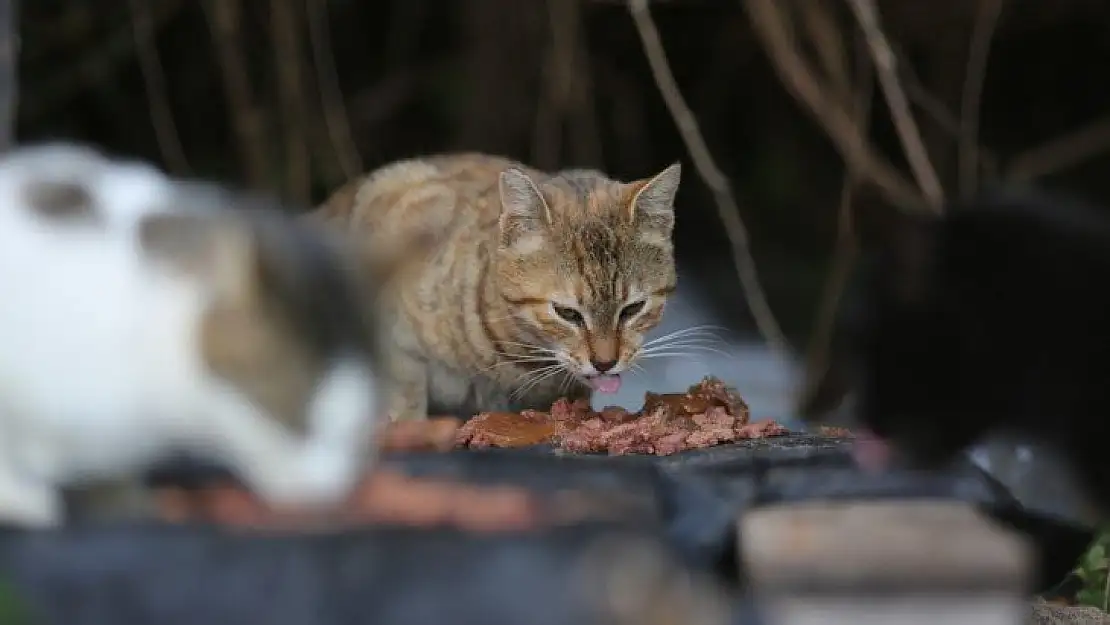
(844, 250)
(978, 53)
(581, 112)
(584, 125)
(937, 112)
(712, 176)
(826, 37)
(223, 19)
(331, 95)
(154, 79)
(1061, 152)
(867, 14)
(9, 73)
(285, 39)
(556, 82)
(776, 34)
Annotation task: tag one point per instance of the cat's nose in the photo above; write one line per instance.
(603, 365)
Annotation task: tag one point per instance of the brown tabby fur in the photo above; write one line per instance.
(472, 319)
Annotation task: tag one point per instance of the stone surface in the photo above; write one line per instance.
(881, 548)
(1047, 614)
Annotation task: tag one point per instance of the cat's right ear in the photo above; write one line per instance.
(203, 246)
(525, 214)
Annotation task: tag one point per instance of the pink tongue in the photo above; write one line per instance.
(606, 383)
(870, 452)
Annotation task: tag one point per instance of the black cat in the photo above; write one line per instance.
(995, 316)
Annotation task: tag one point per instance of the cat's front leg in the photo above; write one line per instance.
(408, 392)
(287, 469)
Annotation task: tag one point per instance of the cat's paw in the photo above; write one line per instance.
(318, 477)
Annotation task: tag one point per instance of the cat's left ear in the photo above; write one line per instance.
(524, 211)
(652, 204)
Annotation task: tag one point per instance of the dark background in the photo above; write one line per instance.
(295, 96)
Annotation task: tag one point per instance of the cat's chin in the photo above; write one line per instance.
(603, 383)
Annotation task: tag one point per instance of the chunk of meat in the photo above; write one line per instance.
(708, 413)
(506, 429)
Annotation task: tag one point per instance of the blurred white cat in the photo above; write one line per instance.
(142, 316)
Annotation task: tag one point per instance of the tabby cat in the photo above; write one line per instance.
(544, 283)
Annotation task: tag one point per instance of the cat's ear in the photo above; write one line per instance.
(652, 203)
(203, 246)
(524, 211)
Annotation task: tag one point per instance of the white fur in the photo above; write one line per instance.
(100, 370)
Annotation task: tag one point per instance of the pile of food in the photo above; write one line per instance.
(708, 413)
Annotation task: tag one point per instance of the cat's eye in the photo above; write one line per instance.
(631, 310)
(570, 315)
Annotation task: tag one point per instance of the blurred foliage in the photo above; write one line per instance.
(1094, 571)
(12, 610)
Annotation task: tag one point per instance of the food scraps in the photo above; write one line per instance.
(708, 413)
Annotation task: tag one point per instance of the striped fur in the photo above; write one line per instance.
(477, 326)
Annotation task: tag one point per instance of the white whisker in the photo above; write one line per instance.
(703, 330)
(687, 353)
(680, 345)
(536, 377)
(527, 375)
(509, 359)
(682, 342)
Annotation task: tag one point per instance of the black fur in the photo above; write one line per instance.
(996, 316)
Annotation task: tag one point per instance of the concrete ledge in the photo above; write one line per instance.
(877, 549)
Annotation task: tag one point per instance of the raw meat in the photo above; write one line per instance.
(708, 413)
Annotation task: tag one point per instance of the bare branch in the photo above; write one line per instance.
(9, 73)
(556, 81)
(827, 39)
(565, 99)
(776, 34)
(586, 144)
(844, 250)
(285, 39)
(727, 207)
(937, 112)
(979, 51)
(223, 20)
(331, 96)
(154, 79)
(1062, 152)
(867, 14)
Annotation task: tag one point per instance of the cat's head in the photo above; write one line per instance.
(289, 324)
(66, 184)
(586, 264)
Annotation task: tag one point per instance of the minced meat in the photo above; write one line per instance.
(708, 413)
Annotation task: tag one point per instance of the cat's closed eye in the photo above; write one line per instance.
(569, 315)
(631, 310)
